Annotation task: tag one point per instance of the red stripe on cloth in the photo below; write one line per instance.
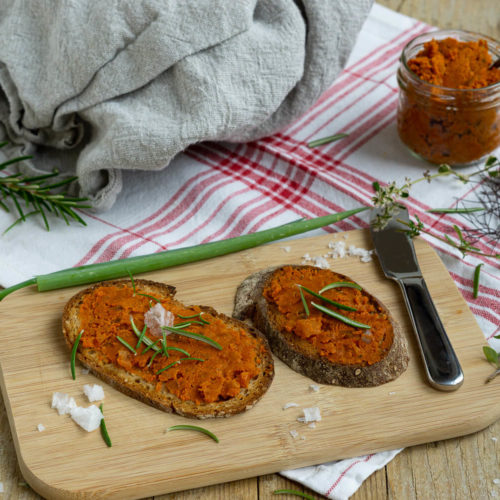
(494, 334)
(345, 471)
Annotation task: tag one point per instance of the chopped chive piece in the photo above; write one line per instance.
(304, 303)
(455, 210)
(477, 272)
(326, 140)
(164, 344)
(178, 362)
(293, 492)
(150, 345)
(192, 335)
(126, 344)
(338, 284)
(141, 337)
(132, 280)
(341, 317)
(336, 304)
(73, 354)
(169, 348)
(184, 427)
(104, 431)
(153, 357)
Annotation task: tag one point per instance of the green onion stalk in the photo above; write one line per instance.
(92, 273)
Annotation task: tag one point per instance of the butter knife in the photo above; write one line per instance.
(398, 260)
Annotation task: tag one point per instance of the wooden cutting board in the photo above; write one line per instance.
(65, 462)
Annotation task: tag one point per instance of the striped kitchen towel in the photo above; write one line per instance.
(215, 191)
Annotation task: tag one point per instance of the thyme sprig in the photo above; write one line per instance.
(37, 195)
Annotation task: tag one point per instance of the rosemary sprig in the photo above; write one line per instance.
(104, 430)
(337, 284)
(126, 344)
(326, 140)
(195, 336)
(304, 302)
(73, 354)
(341, 317)
(38, 196)
(325, 299)
(185, 427)
(204, 321)
(179, 361)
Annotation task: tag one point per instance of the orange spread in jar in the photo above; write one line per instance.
(331, 338)
(105, 314)
(458, 122)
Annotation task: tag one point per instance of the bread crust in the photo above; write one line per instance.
(251, 305)
(133, 385)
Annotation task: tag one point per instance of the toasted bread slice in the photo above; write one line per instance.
(300, 352)
(103, 312)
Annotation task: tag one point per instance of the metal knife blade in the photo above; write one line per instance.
(398, 260)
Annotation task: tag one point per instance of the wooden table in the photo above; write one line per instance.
(462, 468)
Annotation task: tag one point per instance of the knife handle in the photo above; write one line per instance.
(441, 363)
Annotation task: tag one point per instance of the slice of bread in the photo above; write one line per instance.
(147, 387)
(303, 356)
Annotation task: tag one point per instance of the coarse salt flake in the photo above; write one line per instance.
(306, 257)
(85, 371)
(494, 439)
(294, 433)
(312, 425)
(63, 403)
(93, 392)
(40, 427)
(321, 262)
(286, 249)
(496, 481)
(87, 418)
(156, 317)
(290, 405)
(310, 415)
(314, 388)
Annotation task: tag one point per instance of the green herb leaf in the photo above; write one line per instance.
(477, 272)
(132, 281)
(141, 336)
(376, 186)
(293, 492)
(326, 140)
(304, 302)
(179, 361)
(164, 343)
(455, 210)
(338, 284)
(325, 299)
(126, 344)
(496, 337)
(185, 427)
(73, 354)
(490, 161)
(104, 431)
(195, 336)
(340, 317)
(491, 355)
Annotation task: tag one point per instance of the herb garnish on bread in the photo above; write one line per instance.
(329, 350)
(218, 367)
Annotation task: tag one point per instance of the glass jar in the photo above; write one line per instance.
(459, 127)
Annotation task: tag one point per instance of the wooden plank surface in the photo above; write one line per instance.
(34, 364)
(462, 468)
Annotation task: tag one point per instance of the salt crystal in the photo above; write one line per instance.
(294, 433)
(1, 487)
(312, 425)
(286, 249)
(63, 403)
(85, 371)
(314, 387)
(496, 481)
(93, 392)
(87, 418)
(494, 439)
(321, 262)
(290, 405)
(392, 393)
(306, 257)
(156, 317)
(303, 438)
(310, 415)
(40, 427)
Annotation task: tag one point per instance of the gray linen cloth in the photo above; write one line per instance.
(97, 86)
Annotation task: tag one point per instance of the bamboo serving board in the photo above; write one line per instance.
(65, 462)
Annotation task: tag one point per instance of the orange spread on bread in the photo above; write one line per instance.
(331, 338)
(105, 315)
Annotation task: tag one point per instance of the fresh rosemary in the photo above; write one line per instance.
(37, 194)
(325, 299)
(326, 140)
(73, 355)
(341, 317)
(104, 430)
(338, 284)
(185, 427)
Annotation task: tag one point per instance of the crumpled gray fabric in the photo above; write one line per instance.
(94, 87)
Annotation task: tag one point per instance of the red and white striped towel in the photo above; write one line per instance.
(216, 191)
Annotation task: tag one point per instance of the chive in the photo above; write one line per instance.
(164, 342)
(455, 210)
(126, 344)
(104, 431)
(304, 303)
(185, 427)
(150, 345)
(341, 317)
(73, 354)
(326, 140)
(153, 357)
(92, 273)
(293, 492)
(141, 337)
(132, 280)
(477, 272)
(196, 336)
(338, 284)
(337, 304)
(177, 362)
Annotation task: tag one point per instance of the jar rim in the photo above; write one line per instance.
(444, 33)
